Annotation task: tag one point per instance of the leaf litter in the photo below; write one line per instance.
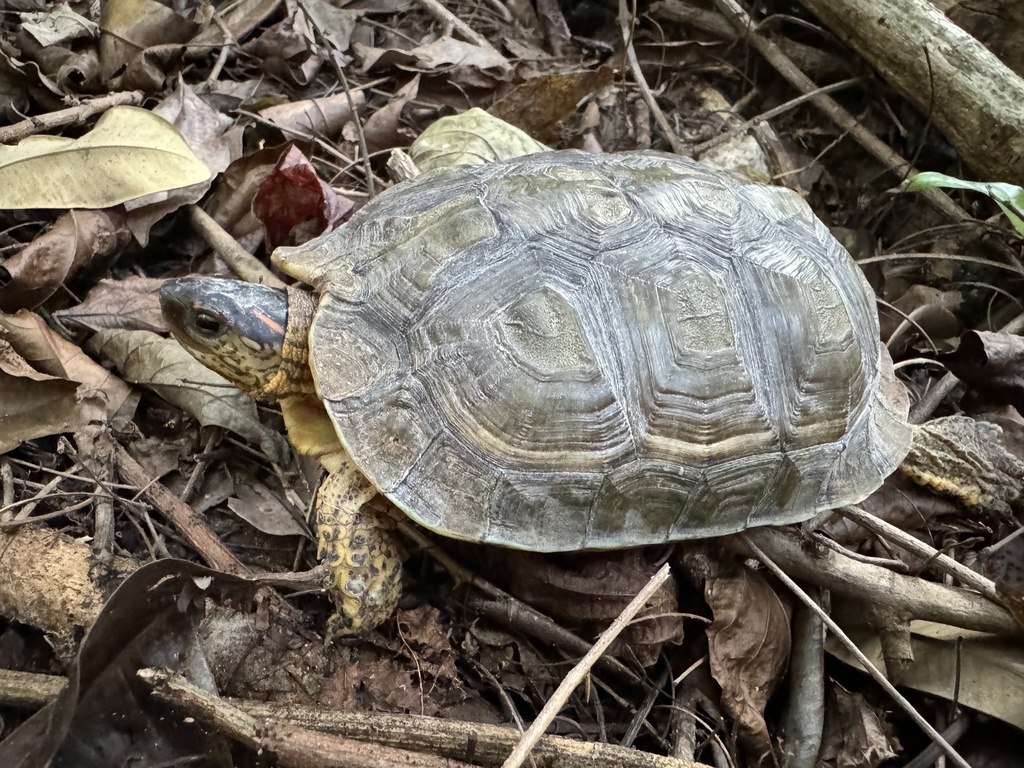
(253, 93)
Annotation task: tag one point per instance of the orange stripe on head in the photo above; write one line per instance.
(270, 322)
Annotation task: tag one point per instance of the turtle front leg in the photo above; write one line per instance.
(360, 547)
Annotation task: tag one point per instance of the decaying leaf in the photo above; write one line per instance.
(314, 117)
(992, 364)
(381, 130)
(32, 404)
(211, 135)
(295, 205)
(133, 28)
(44, 379)
(163, 366)
(748, 646)
(922, 310)
(230, 201)
(263, 511)
(854, 734)
(586, 592)
(433, 55)
(288, 49)
(1004, 563)
(984, 672)
(539, 104)
(38, 270)
(130, 153)
(423, 645)
(335, 24)
(130, 304)
(57, 26)
(49, 353)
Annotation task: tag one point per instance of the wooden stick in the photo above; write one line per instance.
(582, 669)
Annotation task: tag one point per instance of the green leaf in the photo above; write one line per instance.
(1009, 197)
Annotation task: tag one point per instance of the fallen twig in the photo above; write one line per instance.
(865, 663)
(582, 669)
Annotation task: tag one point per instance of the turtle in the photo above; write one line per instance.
(561, 352)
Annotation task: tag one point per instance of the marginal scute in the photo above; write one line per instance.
(566, 351)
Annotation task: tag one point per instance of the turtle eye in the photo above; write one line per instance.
(207, 324)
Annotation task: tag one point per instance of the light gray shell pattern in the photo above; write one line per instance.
(567, 351)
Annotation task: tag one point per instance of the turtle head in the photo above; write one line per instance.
(241, 331)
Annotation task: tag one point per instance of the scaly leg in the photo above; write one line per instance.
(362, 551)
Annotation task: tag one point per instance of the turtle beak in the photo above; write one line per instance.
(174, 301)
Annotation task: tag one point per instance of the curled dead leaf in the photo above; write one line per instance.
(32, 404)
(586, 592)
(748, 646)
(309, 118)
(38, 270)
(992, 364)
(45, 381)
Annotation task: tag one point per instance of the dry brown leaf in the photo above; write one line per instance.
(53, 355)
(48, 386)
(230, 202)
(288, 50)
(388, 682)
(981, 671)
(130, 153)
(211, 135)
(264, 511)
(1003, 562)
(131, 304)
(463, 63)
(539, 104)
(71, 71)
(32, 404)
(381, 128)
(335, 24)
(748, 647)
(311, 118)
(585, 592)
(992, 364)
(427, 642)
(132, 27)
(35, 273)
(922, 310)
(556, 30)
(239, 20)
(854, 732)
(57, 26)
(163, 366)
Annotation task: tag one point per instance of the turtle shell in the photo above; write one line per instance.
(569, 351)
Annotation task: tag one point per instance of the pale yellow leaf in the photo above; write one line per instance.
(130, 153)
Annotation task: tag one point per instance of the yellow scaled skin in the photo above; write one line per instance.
(359, 545)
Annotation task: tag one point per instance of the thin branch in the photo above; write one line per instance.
(582, 669)
(865, 663)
